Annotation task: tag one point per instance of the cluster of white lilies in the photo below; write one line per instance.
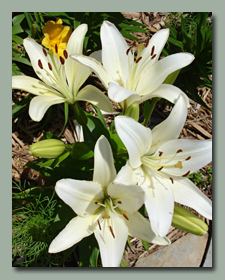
(159, 163)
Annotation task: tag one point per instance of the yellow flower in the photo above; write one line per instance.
(56, 36)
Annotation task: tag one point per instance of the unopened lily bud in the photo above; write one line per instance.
(133, 111)
(185, 220)
(49, 148)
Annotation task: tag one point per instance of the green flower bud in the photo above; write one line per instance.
(49, 148)
(133, 111)
(185, 220)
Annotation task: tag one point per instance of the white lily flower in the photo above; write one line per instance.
(160, 163)
(106, 209)
(131, 80)
(60, 78)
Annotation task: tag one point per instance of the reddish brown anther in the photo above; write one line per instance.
(65, 53)
(153, 56)
(125, 216)
(111, 231)
(160, 153)
(45, 52)
(179, 151)
(160, 168)
(62, 60)
(147, 42)
(56, 48)
(186, 174)
(119, 202)
(152, 51)
(49, 66)
(138, 59)
(96, 202)
(99, 225)
(188, 158)
(171, 179)
(40, 64)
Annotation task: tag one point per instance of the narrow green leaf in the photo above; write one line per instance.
(145, 245)
(21, 106)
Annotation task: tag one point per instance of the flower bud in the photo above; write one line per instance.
(185, 220)
(133, 111)
(49, 148)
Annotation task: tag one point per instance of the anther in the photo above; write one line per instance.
(45, 52)
(119, 202)
(56, 48)
(179, 151)
(153, 56)
(125, 216)
(96, 202)
(49, 66)
(160, 153)
(111, 231)
(171, 179)
(40, 64)
(65, 53)
(99, 225)
(186, 174)
(108, 196)
(147, 42)
(128, 50)
(188, 158)
(62, 60)
(138, 59)
(160, 168)
(152, 52)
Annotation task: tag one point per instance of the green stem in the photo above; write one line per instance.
(80, 117)
(152, 106)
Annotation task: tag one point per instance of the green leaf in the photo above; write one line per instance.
(99, 114)
(82, 150)
(16, 29)
(17, 39)
(88, 252)
(145, 245)
(15, 70)
(66, 111)
(21, 106)
(18, 19)
(21, 60)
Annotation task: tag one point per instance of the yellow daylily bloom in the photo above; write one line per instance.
(56, 36)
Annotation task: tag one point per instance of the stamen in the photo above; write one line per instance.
(40, 64)
(186, 174)
(120, 202)
(99, 225)
(179, 151)
(65, 53)
(171, 179)
(152, 52)
(160, 153)
(111, 231)
(45, 52)
(138, 59)
(153, 56)
(56, 48)
(160, 168)
(125, 216)
(49, 66)
(188, 158)
(109, 196)
(147, 42)
(62, 60)
(96, 202)
(128, 50)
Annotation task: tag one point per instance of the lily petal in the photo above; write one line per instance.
(154, 76)
(32, 85)
(40, 104)
(79, 195)
(159, 203)
(187, 193)
(131, 198)
(112, 247)
(96, 66)
(119, 94)
(96, 97)
(172, 126)
(139, 227)
(76, 73)
(192, 155)
(114, 57)
(75, 231)
(135, 137)
(104, 169)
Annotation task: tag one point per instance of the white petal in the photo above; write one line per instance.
(40, 104)
(168, 92)
(96, 67)
(75, 231)
(119, 94)
(111, 249)
(140, 228)
(76, 72)
(172, 126)
(97, 55)
(194, 155)
(159, 203)
(114, 57)
(187, 193)
(79, 195)
(96, 97)
(104, 169)
(32, 85)
(153, 77)
(135, 137)
(131, 197)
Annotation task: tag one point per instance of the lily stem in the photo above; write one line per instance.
(152, 106)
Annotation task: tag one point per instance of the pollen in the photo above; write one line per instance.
(153, 56)
(125, 216)
(62, 60)
(178, 165)
(138, 59)
(179, 151)
(153, 49)
(40, 64)
(186, 174)
(65, 53)
(119, 202)
(160, 153)
(171, 179)
(56, 48)
(45, 52)
(160, 168)
(188, 158)
(147, 42)
(49, 66)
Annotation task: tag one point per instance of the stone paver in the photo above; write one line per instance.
(185, 252)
